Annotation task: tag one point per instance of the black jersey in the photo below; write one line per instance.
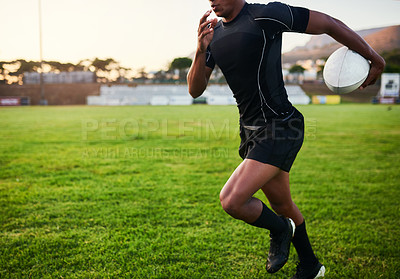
(248, 51)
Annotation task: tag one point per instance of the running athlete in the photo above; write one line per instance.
(246, 45)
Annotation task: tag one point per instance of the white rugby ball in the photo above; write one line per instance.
(345, 70)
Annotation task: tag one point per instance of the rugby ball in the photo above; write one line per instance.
(345, 70)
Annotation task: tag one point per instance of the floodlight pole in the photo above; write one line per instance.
(42, 101)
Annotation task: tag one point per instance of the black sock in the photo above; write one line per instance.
(269, 220)
(303, 246)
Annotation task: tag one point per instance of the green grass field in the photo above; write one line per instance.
(132, 192)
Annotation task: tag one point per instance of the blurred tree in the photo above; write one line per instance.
(125, 74)
(142, 74)
(108, 70)
(100, 69)
(26, 66)
(296, 69)
(100, 64)
(182, 64)
(86, 65)
(63, 67)
(392, 59)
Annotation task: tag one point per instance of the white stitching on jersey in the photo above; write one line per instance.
(267, 18)
(208, 55)
(262, 98)
(288, 116)
(290, 10)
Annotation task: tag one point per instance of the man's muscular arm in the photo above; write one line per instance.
(199, 73)
(320, 23)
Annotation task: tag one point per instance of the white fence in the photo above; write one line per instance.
(175, 95)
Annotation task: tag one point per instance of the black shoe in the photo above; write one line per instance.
(279, 247)
(316, 271)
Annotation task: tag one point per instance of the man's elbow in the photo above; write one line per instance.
(195, 92)
(195, 88)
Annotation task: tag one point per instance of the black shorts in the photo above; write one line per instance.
(276, 144)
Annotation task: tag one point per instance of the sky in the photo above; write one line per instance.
(143, 33)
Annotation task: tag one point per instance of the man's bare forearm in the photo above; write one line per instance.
(197, 76)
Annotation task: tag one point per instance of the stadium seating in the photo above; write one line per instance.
(175, 95)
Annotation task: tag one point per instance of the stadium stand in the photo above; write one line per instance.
(296, 95)
(175, 95)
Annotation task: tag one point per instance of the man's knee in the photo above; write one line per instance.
(229, 204)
